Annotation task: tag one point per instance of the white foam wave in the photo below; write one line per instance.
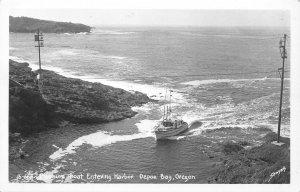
(32, 65)
(146, 108)
(13, 48)
(227, 36)
(82, 33)
(111, 32)
(101, 138)
(115, 57)
(197, 83)
(154, 91)
(146, 127)
(190, 117)
(177, 137)
(97, 139)
(67, 52)
(285, 129)
(17, 59)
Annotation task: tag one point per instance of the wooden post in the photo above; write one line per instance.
(40, 41)
(282, 47)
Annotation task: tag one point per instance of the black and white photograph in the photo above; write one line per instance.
(149, 96)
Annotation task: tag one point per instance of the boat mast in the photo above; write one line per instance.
(170, 100)
(164, 113)
(167, 112)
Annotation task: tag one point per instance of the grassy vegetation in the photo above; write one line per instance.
(267, 163)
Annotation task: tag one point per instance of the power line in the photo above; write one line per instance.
(283, 52)
(39, 38)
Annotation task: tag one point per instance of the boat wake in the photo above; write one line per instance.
(98, 139)
(103, 138)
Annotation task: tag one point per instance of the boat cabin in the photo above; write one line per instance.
(172, 123)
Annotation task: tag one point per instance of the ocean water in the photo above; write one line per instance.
(221, 77)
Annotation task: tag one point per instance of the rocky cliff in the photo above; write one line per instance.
(264, 164)
(35, 105)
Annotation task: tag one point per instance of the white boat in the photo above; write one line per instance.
(170, 125)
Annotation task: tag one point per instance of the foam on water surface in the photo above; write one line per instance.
(102, 138)
(112, 32)
(197, 83)
(68, 52)
(154, 91)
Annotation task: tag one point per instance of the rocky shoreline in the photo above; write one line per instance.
(55, 100)
(264, 164)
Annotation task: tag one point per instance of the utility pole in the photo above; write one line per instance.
(39, 38)
(282, 47)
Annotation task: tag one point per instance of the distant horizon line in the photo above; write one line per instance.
(238, 26)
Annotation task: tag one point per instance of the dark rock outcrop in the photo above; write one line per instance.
(28, 112)
(84, 102)
(35, 105)
(31, 25)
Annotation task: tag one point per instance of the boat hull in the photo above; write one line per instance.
(171, 132)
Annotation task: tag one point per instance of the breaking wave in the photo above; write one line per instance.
(197, 83)
(13, 48)
(112, 32)
(67, 52)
